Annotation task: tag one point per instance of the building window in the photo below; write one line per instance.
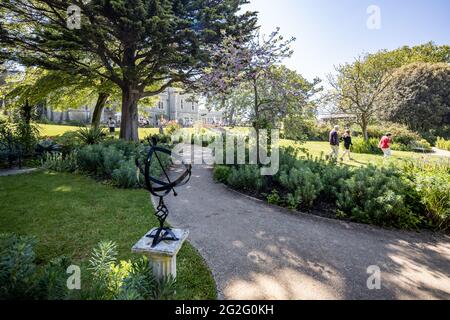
(160, 105)
(181, 104)
(193, 106)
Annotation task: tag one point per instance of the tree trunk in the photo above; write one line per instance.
(101, 101)
(364, 129)
(129, 120)
(256, 123)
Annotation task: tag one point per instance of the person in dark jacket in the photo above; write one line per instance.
(334, 143)
(347, 137)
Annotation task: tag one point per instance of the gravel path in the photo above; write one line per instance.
(441, 153)
(258, 251)
(14, 171)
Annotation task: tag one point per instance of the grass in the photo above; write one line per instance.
(70, 214)
(56, 130)
(316, 148)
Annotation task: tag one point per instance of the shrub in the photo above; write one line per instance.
(221, 173)
(17, 266)
(370, 146)
(377, 196)
(432, 181)
(332, 177)
(60, 163)
(17, 140)
(125, 280)
(69, 141)
(19, 276)
(172, 127)
(274, 198)
(91, 135)
(434, 190)
(107, 279)
(246, 177)
(46, 146)
(126, 175)
(90, 159)
(160, 138)
(111, 158)
(302, 186)
(443, 144)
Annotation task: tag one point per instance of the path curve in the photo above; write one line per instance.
(259, 251)
(441, 153)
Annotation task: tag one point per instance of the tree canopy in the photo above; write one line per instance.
(132, 43)
(358, 87)
(418, 96)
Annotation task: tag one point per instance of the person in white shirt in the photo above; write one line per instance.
(111, 125)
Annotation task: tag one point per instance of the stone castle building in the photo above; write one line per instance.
(172, 105)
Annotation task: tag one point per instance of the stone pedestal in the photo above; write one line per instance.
(163, 257)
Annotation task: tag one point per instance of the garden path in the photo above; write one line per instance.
(14, 171)
(441, 153)
(259, 251)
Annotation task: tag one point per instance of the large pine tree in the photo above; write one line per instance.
(137, 44)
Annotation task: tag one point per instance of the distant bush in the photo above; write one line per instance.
(221, 173)
(370, 146)
(443, 144)
(171, 127)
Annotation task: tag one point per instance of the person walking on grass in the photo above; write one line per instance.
(347, 137)
(111, 125)
(385, 145)
(334, 143)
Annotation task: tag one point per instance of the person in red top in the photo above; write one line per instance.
(385, 145)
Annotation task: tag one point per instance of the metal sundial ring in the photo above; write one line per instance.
(160, 188)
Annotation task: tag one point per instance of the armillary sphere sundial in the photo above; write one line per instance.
(160, 188)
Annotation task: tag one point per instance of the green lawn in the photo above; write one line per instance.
(315, 148)
(70, 214)
(55, 130)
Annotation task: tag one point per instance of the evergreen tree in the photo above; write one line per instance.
(133, 43)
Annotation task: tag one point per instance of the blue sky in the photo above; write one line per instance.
(330, 32)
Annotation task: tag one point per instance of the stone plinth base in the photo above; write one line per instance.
(163, 257)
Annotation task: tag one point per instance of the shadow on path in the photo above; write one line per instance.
(259, 251)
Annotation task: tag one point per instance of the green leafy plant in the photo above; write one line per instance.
(274, 198)
(126, 176)
(91, 135)
(47, 146)
(370, 146)
(221, 173)
(443, 144)
(377, 196)
(246, 177)
(302, 186)
(69, 141)
(171, 127)
(20, 278)
(58, 162)
(126, 280)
